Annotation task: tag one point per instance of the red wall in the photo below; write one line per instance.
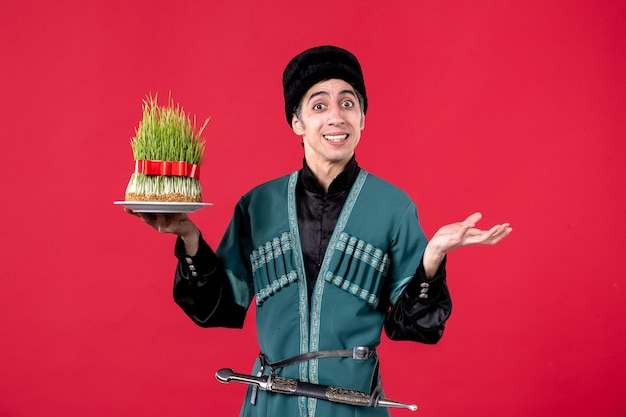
(512, 108)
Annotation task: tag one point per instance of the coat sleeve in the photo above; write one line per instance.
(202, 289)
(421, 311)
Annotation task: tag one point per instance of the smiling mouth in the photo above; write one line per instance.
(336, 138)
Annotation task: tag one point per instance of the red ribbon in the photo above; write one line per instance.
(169, 168)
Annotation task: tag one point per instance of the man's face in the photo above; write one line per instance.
(330, 123)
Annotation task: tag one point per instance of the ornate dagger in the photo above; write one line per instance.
(277, 384)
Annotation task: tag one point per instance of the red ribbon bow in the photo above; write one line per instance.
(169, 168)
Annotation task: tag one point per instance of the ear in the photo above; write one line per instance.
(362, 122)
(296, 125)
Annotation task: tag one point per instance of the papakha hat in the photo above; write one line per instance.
(317, 64)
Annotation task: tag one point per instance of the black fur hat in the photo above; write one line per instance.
(320, 64)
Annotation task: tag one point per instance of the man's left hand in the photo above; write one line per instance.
(458, 235)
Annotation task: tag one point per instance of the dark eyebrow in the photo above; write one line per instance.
(320, 93)
(317, 93)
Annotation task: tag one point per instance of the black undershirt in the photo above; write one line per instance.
(318, 212)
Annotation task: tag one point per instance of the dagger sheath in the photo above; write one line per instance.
(321, 392)
(279, 385)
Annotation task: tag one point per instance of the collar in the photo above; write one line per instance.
(342, 182)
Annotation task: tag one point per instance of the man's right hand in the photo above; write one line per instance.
(177, 223)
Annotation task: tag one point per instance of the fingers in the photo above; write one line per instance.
(497, 233)
(466, 229)
(177, 223)
(150, 219)
(469, 235)
(473, 218)
(165, 223)
(129, 211)
(160, 222)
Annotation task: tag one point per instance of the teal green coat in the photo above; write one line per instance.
(374, 252)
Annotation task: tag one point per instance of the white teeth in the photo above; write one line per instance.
(335, 138)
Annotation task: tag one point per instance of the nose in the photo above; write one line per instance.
(335, 116)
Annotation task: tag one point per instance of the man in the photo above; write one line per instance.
(331, 253)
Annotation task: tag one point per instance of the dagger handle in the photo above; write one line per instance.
(227, 375)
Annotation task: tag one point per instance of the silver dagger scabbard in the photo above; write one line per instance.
(279, 385)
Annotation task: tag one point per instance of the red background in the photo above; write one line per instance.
(512, 108)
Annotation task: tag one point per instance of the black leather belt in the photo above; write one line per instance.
(358, 353)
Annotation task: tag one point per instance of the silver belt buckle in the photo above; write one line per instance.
(360, 353)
